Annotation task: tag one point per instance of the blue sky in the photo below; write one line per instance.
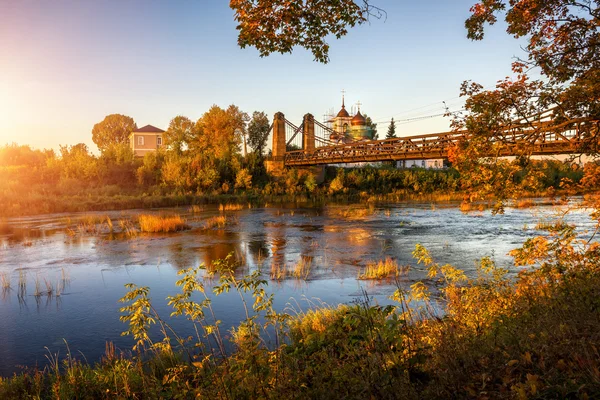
(64, 65)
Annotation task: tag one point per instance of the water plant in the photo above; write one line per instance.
(5, 281)
(302, 268)
(155, 223)
(231, 207)
(381, 269)
(218, 221)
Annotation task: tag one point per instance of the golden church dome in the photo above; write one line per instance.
(343, 113)
(358, 119)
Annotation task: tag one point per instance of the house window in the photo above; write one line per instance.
(140, 140)
(159, 141)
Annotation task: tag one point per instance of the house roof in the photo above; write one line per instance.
(149, 129)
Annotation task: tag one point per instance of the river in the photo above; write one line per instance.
(90, 266)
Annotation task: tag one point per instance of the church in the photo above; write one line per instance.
(349, 129)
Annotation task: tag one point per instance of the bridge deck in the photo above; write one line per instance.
(540, 139)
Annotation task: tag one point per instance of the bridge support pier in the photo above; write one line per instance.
(308, 133)
(276, 164)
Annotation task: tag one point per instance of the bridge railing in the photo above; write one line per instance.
(541, 137)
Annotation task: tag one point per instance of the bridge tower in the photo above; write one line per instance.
(308, 133)
(276, 164)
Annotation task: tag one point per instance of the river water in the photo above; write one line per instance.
(91, 267)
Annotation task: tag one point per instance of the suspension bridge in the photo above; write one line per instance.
(312, 143)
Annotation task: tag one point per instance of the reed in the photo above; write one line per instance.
(525, 203)
(155, 224)
(38, 287)
(49, 287)
(128, 228)
(302, 268)
(22, 285)
(5, 280)
(196, 209)
(231, 207)
(381, 269)
(278, 272)
(218, 221)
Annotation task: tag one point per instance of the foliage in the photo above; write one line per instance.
(391, 133)
(369, 123)
(179, 134)
(562, 46)
(113, 129)
(277, 26)
(155, 223)
(258, 132)
(243, 179)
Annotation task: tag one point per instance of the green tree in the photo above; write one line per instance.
(391, 133)
(177, 137)
(114, 128)
(276, 26)
(369, 122)
(258, 132)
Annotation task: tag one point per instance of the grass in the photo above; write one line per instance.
(381, 269)
(278, 272)
(303, 268)
(155, 223)
(196, 209)
(128, 228)
(525, 203)
(231, 207)
(219, 221)
(5, 281)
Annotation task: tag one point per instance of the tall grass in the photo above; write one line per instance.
(303, 268)
(154, 223)
(381, 269)
(232, 207)
(218, 221)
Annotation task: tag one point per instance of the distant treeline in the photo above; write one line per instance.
(74, 179)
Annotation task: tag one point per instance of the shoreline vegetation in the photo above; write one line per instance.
(41, 182)
(493, 336)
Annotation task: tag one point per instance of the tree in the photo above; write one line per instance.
(278, 25)
(215, 132)
(113, 129)
(369, 122)
(563, 43)
(391, 133)
(258, 132)
(178, 135)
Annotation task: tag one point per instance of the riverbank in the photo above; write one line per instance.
(497, 337)
(45, 203)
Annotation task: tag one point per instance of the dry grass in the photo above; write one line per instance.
(128, 228)
(155, 223)
(381, 269)
(232, 207)
(467, 207)
(5, 280)
(196, 209)
(525, 203)
(219, 222)
(353, 213)
(278, 272)
(302, 268)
